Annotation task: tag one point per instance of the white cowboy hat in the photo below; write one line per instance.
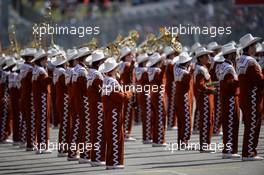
(10, 61)
(201, 51)
(219, 57)
(153, 59)
(213, 46)
(194, 47)
(18, 65)
(228, 48)
(88, 60)
(142, 58)
(39, 54)
(84, 51)
(108, 65)
(259, 48)
(52, 52)
(125, 51)
(71, 54)
(28, 52)
(59, 60)
(97, 55)
(183, 58)
(247, 40)
(168, 50)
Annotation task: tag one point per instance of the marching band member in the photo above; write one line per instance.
(126, 68)
(3, 108)
(94, 85)
(54, 117)
(183, 98)
(196, 112)
(83, 122)
(14, 90)
(5, 128)
(113, 102)
(143, 98)
(26, 103)
(73, 118)
(170, 88)
(251, 85)
(62, 101)
(204, 98)
(229, 91)
(215, 48)
(156, 71)
(40, 88)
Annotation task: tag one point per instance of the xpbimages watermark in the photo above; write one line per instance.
(188, 29)
(81, 147)
(196, 146)
(146, 89)
(80, 31)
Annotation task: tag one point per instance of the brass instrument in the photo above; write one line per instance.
(112, 49)
(149, 45)
(130, 40)
(92, 45)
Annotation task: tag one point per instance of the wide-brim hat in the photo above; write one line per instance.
(219, 57)
(228, 48)
(97, 55)
(82, 52)
(184, 57)
(40, 54)
(59, 60)
(52, 52)
(108, 65)
(194, 47)
(71, 54)
(10, 61)
(201, 51)
(247, 40)
(154, 59)
(213, 46)
(125, 51)
(18, 65)
(28, 52)
(142, 58)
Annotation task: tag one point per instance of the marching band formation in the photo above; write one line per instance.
(86, 93)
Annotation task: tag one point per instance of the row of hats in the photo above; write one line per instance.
(10, 61)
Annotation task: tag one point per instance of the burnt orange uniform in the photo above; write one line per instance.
(4, 107)
(113, 101)
(229, 106)
(94, 85)
(13, 87)
(157, 104)
(170, 90)
(27, 106)
(81, 105)
(144, 103)
(183, 99)
(251, 85)
(62, 105)
(40, 87)
(126, 77)
(217, 104)
(205, 101)
(75, 131)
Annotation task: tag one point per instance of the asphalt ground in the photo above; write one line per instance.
(139, 159)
